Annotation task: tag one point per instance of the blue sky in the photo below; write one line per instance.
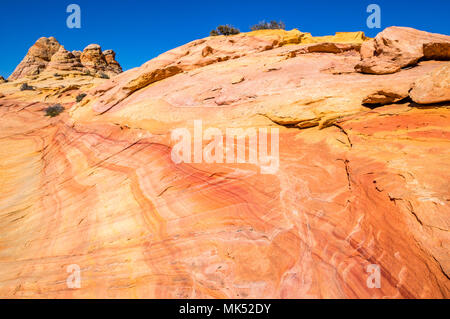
(139, 30)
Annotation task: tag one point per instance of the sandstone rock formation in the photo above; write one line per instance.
(64, 60)
(47, 55)
(204, 52)
(356, 186)
(37, 58)
(95, 60)
(433, 87)
(113, 65)
(399, 47)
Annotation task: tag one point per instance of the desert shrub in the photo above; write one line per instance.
(225, 30)
(25, 87)
(54, 110)
(80, 97)
(263, 25)
(104, 76)
(57, 75)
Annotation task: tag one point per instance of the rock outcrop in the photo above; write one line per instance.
(113, 65)
(95, 60)
(399, 47)
(356, 189)
(64, 60)
(433, 87)
(37, 58)
(48, 55)
(204, 52)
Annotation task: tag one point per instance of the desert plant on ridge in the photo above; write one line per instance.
(54, 110)
(80, 97)
(225, 30)
(26, 87)
(263, 25)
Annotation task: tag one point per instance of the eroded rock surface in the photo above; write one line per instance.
(356, 186)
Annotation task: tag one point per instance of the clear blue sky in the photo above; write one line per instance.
(139, 30)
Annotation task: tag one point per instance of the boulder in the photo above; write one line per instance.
(433, 87)
(436, 51)
(399, 47)
(383, 97)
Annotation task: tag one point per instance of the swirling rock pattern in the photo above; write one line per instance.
(97, 187)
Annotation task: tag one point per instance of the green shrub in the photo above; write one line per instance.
(225, 30)
(54, 110)
(26, 87)
(80, 97)
(263, 25)
(104, 76)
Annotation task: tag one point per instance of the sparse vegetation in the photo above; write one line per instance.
(54, 110)
(104, 76)
(263, 25)
(80, 97)
(26, 87)
(57, 75)
(224, 30)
